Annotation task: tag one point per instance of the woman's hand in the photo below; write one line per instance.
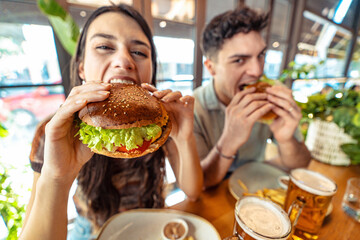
(180, 109)
(65, 154)
(182, 153)
(289, 113)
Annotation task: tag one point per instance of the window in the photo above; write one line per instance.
(302, 88)
(278, 39)
(339, 11)
(28, 55)
(175, 56)
(30, 85)
(174, 30)
(354, 68)
(98, 3)
(174, 10)
(262, 5)
(323, 40)
(214, 8)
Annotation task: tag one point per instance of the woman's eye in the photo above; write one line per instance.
(104, 47)
(138, 53)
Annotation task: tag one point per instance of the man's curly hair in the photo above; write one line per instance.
(227, 24)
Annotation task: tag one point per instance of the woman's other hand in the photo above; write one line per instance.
(180, 109)
(64, 153)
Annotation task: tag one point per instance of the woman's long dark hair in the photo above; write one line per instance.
(101, 196)
(95, 178)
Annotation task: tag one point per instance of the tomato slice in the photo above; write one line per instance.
(142, 148)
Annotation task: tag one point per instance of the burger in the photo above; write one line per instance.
(260, 88)
(129, 123)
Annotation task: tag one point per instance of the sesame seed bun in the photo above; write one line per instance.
(128, 106)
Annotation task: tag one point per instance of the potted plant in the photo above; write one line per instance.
(340, 107)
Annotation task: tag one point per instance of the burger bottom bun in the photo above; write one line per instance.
(269, 116)
(134, 154)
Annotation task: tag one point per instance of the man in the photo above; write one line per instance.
(226, 113)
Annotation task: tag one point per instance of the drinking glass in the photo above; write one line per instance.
(316, 191)
(351, 199)
(260, 219)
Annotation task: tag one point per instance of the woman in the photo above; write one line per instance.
(115, 43)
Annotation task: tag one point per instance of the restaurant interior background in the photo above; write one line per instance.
(34, 70)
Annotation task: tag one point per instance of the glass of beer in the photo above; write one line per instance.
(260, 219)
(316, 191)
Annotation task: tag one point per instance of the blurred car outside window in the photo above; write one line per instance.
(30, 91)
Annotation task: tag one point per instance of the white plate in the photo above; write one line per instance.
(255, 176)
(147, 224)
(284, 181)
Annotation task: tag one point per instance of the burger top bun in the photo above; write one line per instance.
(128, 105)
(260, 88)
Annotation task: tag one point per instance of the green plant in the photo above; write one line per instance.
(63, 24)
(3, 131)
(10, 208)
(341, 107)
(295, 71)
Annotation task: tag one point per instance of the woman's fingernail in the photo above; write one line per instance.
(81, 101)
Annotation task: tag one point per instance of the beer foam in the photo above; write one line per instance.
(263, 219)
(313, 182)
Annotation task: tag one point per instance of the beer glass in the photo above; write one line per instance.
(260, 219)
(316, 191)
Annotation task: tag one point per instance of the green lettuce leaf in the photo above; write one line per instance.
(131, 138)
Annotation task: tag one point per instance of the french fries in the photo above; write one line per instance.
(243, 186)
(276, 195)
(189, 238)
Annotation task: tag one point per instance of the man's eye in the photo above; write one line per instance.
(239, 60)
(262, 55)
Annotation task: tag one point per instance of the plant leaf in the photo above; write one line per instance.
(51, 7)
(63, 24)
(3, 131)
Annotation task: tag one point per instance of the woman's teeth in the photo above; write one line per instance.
(121, 81)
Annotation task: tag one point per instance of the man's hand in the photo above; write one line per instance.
(244, 110)
(289, 113)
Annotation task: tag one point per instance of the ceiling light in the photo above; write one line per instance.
(162, 24)
(276, 44)
(83, 14)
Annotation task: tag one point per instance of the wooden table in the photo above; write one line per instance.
(217, 205)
